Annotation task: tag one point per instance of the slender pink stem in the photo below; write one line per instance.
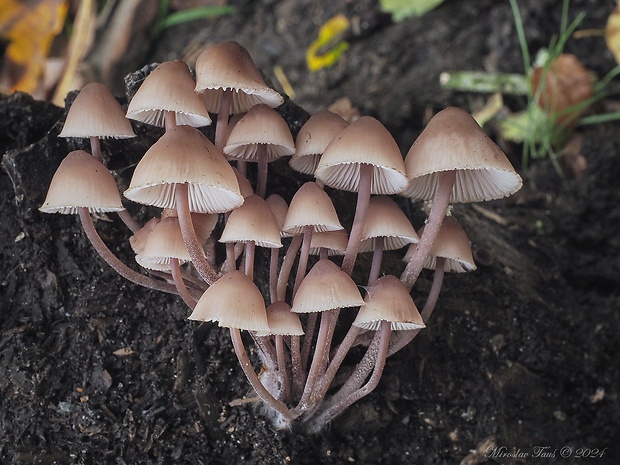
(250, 248)
(250, 374)
(196, 252)
(281, 356)
(129, 221)
(180, 284)
(170, 119)
(95, 148)
(287, 265)
(221, 127)
(377, 258)
(431, 229)
(303, 258)
(273, 275)
(114, 262)
(263, 169)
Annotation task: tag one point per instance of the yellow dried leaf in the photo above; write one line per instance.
(612, 33)
(329, 46)
(30, 28)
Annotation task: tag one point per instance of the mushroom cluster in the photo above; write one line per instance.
(205, 199)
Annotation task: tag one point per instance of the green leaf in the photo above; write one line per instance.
(402, 9)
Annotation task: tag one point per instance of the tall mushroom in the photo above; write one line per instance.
(453, 160)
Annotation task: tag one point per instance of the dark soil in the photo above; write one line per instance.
(521, 354)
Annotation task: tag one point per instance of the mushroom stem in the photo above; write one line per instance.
(221, 127)
(114, 262)
(263, 393)
(287, 265)
(250, 248)
(196, 252)
(405, 337)
(95, 148)
(303, 258)
(431, 229)
(308, 337)
(263, 169)
(377, 258)
(129, 220)
(378, 361)
(361, 209)
(180, 284)
(170, 119)
(273, 275)
(286, 383)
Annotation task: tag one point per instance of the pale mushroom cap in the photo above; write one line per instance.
(313, 138)
(453, 140)
(365, 141)
(252, 221)
(311, 206)
(452, 244)
(170, 87)
(138, 240)
(385, 219)
(334, 241)
(82, 181)
(279, 208)
(389, 300)
(326, 287)
(184, 155)
(228, 65)
(233, 301)
(261, 125)
(96, 113)
(165, 241)
(245, 187)
(282, 321)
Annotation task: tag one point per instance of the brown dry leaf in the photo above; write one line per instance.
(612, 33)
(572, 156)
(30, 27)
(563, 89)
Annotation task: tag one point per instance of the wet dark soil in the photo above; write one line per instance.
(520, 363)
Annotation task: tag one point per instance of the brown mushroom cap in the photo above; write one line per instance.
(252, 221)
(261, 125)
(233, 301)
(313, 138)
(227, 65)
(326, 287)
(138, 240)
(389, 300)
(385, 219)
(311, 206)
(365, 141)
(96, 113)
(170, 87)
(82, 181)
(184, 155)
(452, 244)
(453, 140)
(282, 321)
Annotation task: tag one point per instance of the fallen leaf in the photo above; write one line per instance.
(329, 46)
(30, 28)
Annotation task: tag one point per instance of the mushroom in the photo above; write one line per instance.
(230, 83)
(364, 158)
(166, 98)
(236, 303)
(184, 170)
(261, 136)
(453, 160)
(82, 184)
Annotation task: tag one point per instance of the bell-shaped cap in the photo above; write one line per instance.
(279, 208)
(389, 300)
(326, 287)
(169, 87)
(334, 241)
(385, 219)
(96, 113)
(228, 65)
(233, 301)
(452, 244)
(313, 138)
(453, 140)
(260, 126)
(138, 240)
(82, 181)
(282, 322)
(183, 155)
(252, 221)
(365, 141)
(311, 206)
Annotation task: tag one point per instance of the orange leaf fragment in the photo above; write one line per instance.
(30, 28)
